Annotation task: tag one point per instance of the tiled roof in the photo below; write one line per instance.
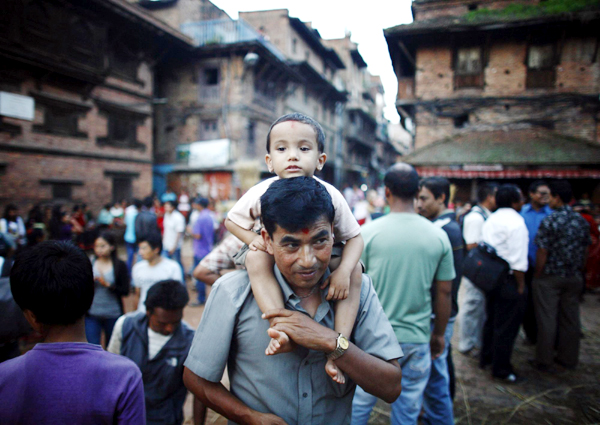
(531, 146)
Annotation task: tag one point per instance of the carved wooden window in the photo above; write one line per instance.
(124, 62)
(82, 43)
(62, 191)
(60, 120)
(468, 70)
(122, 127)
(541, 61)
(38, 32)
(210, 84)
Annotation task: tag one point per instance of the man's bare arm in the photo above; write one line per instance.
(218, 398)
(442, 309)
(378, 377)
(199, 412)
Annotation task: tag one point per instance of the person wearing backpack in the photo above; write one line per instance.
(471, 316)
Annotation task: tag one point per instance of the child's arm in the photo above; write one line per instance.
(339, 281)
(246, 236)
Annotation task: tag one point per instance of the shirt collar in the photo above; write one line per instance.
(289, 297)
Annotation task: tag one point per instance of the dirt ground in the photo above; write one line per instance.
(569, 397)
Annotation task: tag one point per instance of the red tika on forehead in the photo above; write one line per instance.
(305, 231)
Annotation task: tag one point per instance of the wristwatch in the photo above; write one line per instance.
(342, 345)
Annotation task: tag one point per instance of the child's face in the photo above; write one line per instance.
(294, 151)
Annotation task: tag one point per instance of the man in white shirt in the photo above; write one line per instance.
(505, 230)
(174, 229)
(152, 269)
(471, 314)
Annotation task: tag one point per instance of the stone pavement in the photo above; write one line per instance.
(569, 397)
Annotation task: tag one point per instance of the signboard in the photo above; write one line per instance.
(210, 153)
(17, 106)
(483, 167)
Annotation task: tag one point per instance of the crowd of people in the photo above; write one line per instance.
(326, 303)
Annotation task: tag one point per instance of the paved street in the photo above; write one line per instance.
(565, 398)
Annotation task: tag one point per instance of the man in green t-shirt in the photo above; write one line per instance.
(404, 253)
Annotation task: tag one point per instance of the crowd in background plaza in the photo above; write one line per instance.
(153, 230)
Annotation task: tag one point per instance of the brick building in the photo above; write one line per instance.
(88, 69)
(366, 149)
(481, 80)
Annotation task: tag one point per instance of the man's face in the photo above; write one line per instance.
(169, 207)
(147, 252)
(303, 256)
(492, 201)
(294, 150)
(541, 196)
(164, 322)
(427, 205)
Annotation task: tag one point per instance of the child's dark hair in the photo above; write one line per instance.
(154, 240)
(304, 119)
(168, 295)
(54, 280)
(294, 204)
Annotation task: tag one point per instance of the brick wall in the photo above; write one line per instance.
(508, 99)
(424, 10)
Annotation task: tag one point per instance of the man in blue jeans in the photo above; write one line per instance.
(202, 233)
(404, 253)
(432, 203)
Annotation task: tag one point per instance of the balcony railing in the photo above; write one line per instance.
(226, 31)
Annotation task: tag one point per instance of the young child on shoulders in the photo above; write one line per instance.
(295, 147)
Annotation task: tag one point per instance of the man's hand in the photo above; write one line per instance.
(339, 285)
(171, 252)
(436, 345)
(266, 419)
(302, 329)
(258, 244)
(102, 282)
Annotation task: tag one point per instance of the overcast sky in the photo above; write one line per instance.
(332, 18)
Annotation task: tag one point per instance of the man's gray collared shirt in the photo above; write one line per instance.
(293, 386)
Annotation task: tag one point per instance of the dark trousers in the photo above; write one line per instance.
(557, 309)
(504, 308)
(529, 321)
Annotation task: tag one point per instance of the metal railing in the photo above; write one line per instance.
(226, 31)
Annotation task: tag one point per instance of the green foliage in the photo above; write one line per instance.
(548, 7)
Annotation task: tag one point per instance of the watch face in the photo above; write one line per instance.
(344, 343)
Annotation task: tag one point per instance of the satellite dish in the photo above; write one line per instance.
(251, 59)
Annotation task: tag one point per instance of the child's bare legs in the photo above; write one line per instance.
(267, 293)
(345, 316)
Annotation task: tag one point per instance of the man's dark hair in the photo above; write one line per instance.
(168, 295)
(203, 202)
(438, 186)
(154, 240)
(173, 203)
(295, 204)
(148, 202)
(562, 189)
(533, 187)
(486, 190)
(137, 203)
(507, 195)
(55, 281)
(304, 119)
(403, 181)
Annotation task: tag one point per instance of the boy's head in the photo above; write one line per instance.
(54, 282)
(164, 306)
(150, 246)
(295, 145)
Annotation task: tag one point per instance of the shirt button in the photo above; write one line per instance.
(305, 395)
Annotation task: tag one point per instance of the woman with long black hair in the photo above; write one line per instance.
(111, 284)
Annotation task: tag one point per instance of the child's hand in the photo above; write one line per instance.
(339, 284)
(258, 244)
